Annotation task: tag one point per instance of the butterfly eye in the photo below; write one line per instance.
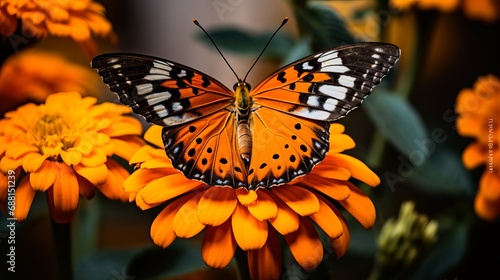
(235, 86)
(245, 84)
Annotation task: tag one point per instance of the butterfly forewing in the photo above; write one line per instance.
(308, 94)
(163, 92)
(327, 85)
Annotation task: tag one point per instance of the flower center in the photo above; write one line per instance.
(52, 134)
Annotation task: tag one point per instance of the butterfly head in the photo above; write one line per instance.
(242, 95)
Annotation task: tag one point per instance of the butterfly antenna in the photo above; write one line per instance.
(215, 45)
(268, 42)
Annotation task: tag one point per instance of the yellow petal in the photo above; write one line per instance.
(63, 196)
(305, 245)
(6, 164)
(186, 223)
(95, 175)
(71, 157)
(264, 208)
(218, 245)
(327, 220)
(33, 161)
(360, 206)
(94, 159)
(358, 169)
(216, 205)
(20, 149)
(341, 244)
(113, 187)
(246, 197)
(23, 198)
(44, 177)
(250, 233)
(153, 135)
(168, 187)
(286, 220)
(265, 263)
(162, 231)
(332, 188)
(299, 199)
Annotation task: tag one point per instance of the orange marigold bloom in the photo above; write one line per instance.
(65, 146)
(30, 76)
(487, 10)
(478, 113)
(77, 19)
(253, 220)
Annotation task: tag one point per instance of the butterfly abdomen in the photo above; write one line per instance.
(243, 103)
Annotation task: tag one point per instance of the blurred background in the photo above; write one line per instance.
(444, 50)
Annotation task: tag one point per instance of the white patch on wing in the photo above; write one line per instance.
(157, 71)
(144, 88)
(182, 74)
(334, 68)
(161, 66)
(330, 104)
(313, 101)
(312, 114)
(116, 66)
(336, 92)
(161, 111)
(327, 56)
(347, 81)
(176, 106)
(306, 66)
(154, 77)
(159, 97)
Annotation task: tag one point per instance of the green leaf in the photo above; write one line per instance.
(240, 41)
(156, 263)
(443, 174)
(398, 121)
(446, 253)
(326, 28)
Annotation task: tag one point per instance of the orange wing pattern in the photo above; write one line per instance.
(292, 108)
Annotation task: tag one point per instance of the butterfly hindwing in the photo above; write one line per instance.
(284, 147)
(163, 92)
(205, 150)
(327, 85)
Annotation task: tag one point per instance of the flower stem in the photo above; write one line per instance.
(62, 241)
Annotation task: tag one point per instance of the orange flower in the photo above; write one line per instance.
(30, 76)
(487, 10)
(64, 147)
(478, 113)
(253, 220)
(77, 19)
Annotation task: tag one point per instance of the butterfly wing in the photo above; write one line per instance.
(195, 110)
(293, 107)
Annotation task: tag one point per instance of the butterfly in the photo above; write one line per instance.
(252, 138)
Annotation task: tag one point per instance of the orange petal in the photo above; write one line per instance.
(162, 231)
(246, 197)
(341, 244)
(94, 159)
(24, 198)
(286, 219)
(331, 172)
(299, 199)
(265, 263)
(85, 188)
(20, 149)
(360, 206)
(489, 186)
(358, 169)
(168, 187)
(6, 164)
(71, 157)
(126, 146)
(340, 143)
(44, 177)
(186, 223)
(473, 156)
(163, 162)
(305, 245)
(63, 196)
(264, 208)
(486, 209)
(329, 187)
(113, 187)
(33, 161)
(96, 175)
(336, 128)
(140, 178)
(250, 233)
(327, 220)
(218, 245)
(216, 205)
(153, 135)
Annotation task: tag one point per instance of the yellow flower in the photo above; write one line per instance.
(478, 114)
(65, 147)
(30, 76)
(487, 10)
(77, 19)
(253, 220)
